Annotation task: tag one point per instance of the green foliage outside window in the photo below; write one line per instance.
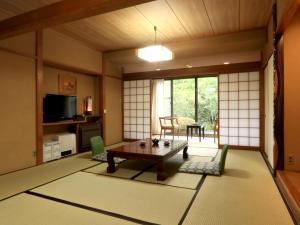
(184, 101)
(207, 101)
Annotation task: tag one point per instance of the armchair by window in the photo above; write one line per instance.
(169, 124)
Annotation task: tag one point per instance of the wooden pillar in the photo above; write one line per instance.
(101, 106)
(39, 74)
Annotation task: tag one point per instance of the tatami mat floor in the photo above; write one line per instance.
(77, 190)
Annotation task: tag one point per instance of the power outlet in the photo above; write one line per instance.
(34, 153)
(291, 159)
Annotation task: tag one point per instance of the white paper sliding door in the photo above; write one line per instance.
(239, 109)
(137, 110)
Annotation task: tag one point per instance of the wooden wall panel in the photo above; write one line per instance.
(63, 49)
(289, 55)
(86, 86)
(23, 43)
(18, 113)
(113, 108)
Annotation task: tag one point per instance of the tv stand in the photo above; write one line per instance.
(67, 122)
(64, 122)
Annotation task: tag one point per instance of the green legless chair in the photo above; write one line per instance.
(98, 151)
(215, 167)
(97, 145)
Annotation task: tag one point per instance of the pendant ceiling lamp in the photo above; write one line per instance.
(155, 53)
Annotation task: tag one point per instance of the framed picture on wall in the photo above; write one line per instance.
(67, 84)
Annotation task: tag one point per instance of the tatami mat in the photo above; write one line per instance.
(246, 194)
(126, 169)
(204, 152)
(149, 202)
(23, 180)
(30, 210)
(175, 178)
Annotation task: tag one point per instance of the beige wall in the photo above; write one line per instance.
(291, 93)
(269, 110)
(24, 43)
(86, 86)
(111, 69)
(17, 100)
(17, 90)
(62, 49)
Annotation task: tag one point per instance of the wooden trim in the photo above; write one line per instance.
(59, 13)
(262, 110)
(265, 157)
(151, 101)
(218, 112)
(289, 193)
(195, 71)
(27, 55)
(129, 140)
(112, 76)
(39, 74)
(279, 105)
(67, 122)
(288, 16)
(122, 97)
(104, 112)
(242, 148)
(74, 69)
(101, 106)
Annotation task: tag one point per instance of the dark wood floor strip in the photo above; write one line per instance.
(120, 216)
(91, 166)
(141, 181)
(193, 199)
(144, 170)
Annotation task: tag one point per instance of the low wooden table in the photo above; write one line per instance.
(159, 154)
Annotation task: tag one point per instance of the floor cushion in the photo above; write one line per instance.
(212, 168)
(103, 158)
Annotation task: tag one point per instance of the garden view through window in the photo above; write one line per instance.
(192, 100)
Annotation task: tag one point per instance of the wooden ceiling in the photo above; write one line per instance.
(177, 20)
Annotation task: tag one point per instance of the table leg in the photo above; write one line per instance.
(185, 153)
(203, 131)
(111, 164)
(161, 174)
(192, 129)
(187, 133)
(199, 130)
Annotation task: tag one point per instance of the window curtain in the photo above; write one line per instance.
(157, 104)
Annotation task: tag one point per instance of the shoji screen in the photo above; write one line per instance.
(239, 109)
(137, 110)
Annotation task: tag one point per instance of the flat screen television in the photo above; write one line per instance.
(59, 107)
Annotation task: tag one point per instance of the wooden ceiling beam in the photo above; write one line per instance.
(194, 72)
(59, 13)
(288, 16)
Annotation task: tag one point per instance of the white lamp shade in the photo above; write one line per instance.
(155, 53)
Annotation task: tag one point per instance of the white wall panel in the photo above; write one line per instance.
(137, 109)
(239, 109)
